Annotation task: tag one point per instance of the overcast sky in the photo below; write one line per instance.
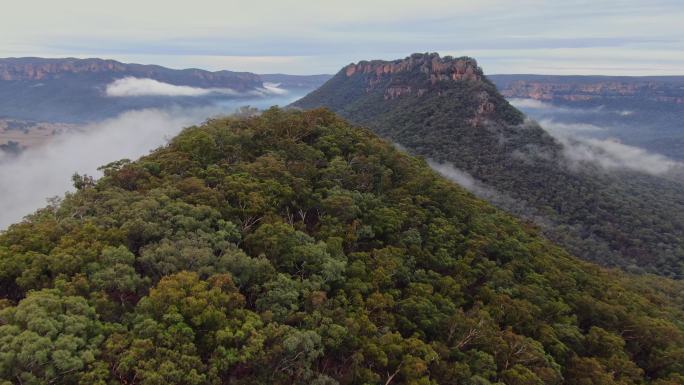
(626, 37)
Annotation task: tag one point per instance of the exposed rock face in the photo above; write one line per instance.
(370, 86)
(429, 68)
(38, 69)
(485, 109)
(594, 89)
(19, 69)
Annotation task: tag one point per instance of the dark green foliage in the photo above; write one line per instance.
(626, 219)
(291, 248)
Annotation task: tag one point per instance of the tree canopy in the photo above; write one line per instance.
(293, 248)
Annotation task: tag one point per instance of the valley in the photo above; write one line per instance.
(641, 111)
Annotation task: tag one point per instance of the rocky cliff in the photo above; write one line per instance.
(430, 67)
(39, 69)
(421, 75)
(572, 89)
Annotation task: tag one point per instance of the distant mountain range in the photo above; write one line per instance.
(644, 111)
(601, 200)
(76, 90)
(101, 70)
(593, 90)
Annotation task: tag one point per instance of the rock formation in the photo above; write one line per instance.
(432, 68)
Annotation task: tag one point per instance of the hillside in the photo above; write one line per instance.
(291, 248)
(644, 111)
(447, 110)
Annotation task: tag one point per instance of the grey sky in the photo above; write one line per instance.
(626, 37)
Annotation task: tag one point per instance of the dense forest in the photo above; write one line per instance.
(292, 248)
(435, 108)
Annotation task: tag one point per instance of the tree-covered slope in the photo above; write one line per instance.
(447, 110)
(291, 248)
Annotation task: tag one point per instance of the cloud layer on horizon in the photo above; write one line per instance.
(307, 36)
(135, 87)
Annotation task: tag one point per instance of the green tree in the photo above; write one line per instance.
(50, 338)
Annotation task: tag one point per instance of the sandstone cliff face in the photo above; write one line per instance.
(429, 69)
(656, 91)
(426, 80)
(43, 69)
(38, 69)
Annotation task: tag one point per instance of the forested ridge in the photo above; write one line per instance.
(447, 110)
(292, 248)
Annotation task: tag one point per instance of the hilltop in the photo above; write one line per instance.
(293, 248)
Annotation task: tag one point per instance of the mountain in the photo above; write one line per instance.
(644, 111)
(588, 198)
(75, 90)
(292, 248)
(41, 69)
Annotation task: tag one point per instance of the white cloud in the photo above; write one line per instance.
(45, 171)
(530, 103)
(42, 172)
(544, 108)
(465, 180)
(566, 129)
(274, 89)
(609, 154)
(131, 86)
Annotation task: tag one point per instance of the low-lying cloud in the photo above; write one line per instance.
(42, 172)
(274, 89)
(530, 103)
(549, 108)
(478, 188)
(136, 87)
(459, 176)
(131, 86)
(610, 154)
(488, 193)
(570, 128)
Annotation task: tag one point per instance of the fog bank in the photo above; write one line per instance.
(38, 173)
(609, 153)
(136, 87)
